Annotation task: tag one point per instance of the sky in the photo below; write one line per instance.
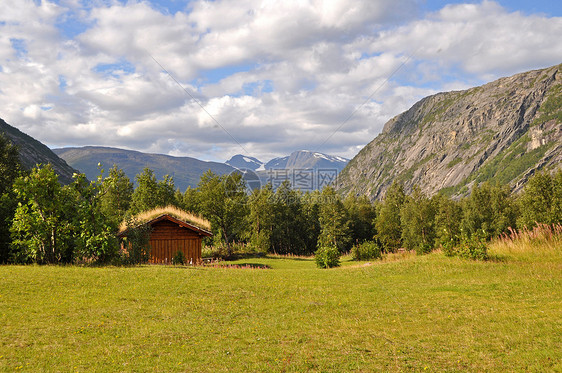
(211, 79)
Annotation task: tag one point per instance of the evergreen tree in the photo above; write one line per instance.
(388, 224)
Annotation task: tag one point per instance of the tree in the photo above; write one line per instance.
(447, 220)
(334, 223)
(116, 193)
(388, 224)
(151, 193)
(289, 227)
(541, 200)
(190, 200)
(362, 217)
(417, 216)
(222, 200)
(488, 209)
(94, 232)
(10, 169)
(260, 218)
(41, 230)
(310, 211)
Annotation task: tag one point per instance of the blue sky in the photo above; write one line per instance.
(272, 77)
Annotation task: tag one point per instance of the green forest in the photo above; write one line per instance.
(42, 221)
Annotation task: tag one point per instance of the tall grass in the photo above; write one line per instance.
(542, 241)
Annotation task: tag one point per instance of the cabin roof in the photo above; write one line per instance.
(168, 217)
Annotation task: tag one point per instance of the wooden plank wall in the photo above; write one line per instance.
(168, 238)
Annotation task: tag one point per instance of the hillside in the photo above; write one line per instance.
(33, 152)
(186, 171)
(502, 132)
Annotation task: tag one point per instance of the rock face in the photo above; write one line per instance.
(502, 132)
(33, 152)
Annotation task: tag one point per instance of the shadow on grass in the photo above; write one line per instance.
(296, 258)
(240, 266)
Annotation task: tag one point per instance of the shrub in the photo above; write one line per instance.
(136, 243)
(366, 251)
(327, 257)
(473, 248)
(179, 258)
(423, 248)
(449, 248)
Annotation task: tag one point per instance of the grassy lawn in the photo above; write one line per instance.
(428, 313)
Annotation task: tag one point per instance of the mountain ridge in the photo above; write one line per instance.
(503, 131)
(186, 171)
(33, 152)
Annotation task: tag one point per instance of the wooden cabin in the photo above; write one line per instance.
(170, 235)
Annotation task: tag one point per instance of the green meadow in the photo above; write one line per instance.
(404, 313)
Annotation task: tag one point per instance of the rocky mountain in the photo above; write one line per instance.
(33, 152)
(301, 159)
(244, 162)
(186, 171)
(502, 132)
(304, 159)
(277, 163)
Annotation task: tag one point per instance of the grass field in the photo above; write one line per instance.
(408, 313)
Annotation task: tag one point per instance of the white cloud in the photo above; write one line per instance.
(277, 76)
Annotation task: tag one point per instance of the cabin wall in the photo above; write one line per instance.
(167, 238)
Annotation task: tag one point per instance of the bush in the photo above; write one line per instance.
(136, 243)
(366, 251)
(423, 248)
(327, 257)
(473, 248)
(468, 247)
(179, 258)
(232, 251)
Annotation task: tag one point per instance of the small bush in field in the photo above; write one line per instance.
(423, 248)
(179, 258)
(327, 257)
(366, 251)
(449, 248)
(473, 248)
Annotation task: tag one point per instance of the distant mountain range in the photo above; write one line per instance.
(187, 171)
(302, 159)
(33, 152)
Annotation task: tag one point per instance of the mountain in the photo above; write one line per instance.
(186, 171)
(244, 162)
(33, 152)
(304, 159)
(305, 170)
(503, 132)
(277, 163)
